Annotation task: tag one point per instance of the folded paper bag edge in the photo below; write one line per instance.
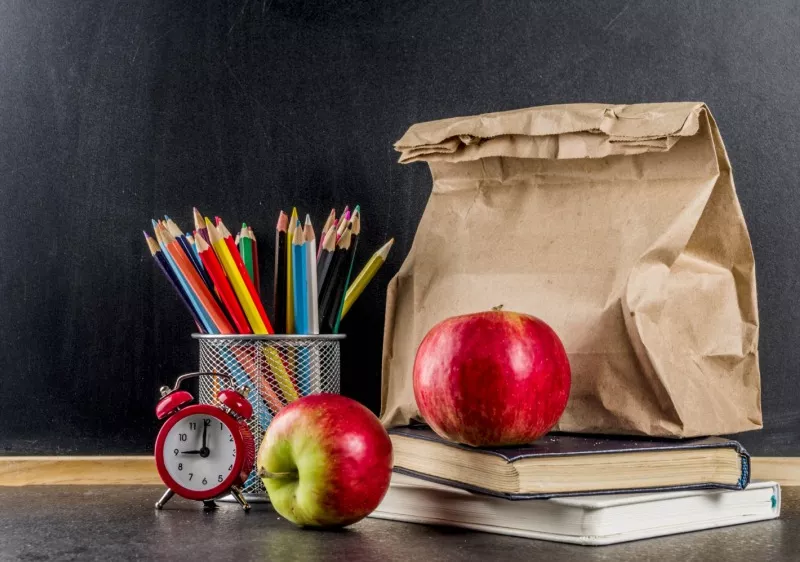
(617, 123)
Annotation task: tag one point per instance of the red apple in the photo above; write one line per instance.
(326, 461)
(491, 379)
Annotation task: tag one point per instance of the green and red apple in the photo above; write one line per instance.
(326, 461)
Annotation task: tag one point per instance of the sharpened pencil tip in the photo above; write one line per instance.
(146, 236)
(283, 222)
(198, 218)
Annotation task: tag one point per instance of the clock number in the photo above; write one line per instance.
(220, 426)
(205, 481)
(234, 452)
(206, 421)
(190, 475)
(192, 425)
(219, 478)
(175, 451)
(230, 467)
(180, 466)
(231, 439)
(182, 436)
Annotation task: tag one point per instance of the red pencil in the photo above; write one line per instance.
(214, 269)
(237, 259)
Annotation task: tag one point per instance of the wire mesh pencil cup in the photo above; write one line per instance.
(277, 369)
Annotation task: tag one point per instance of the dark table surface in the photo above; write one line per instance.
(119, 523)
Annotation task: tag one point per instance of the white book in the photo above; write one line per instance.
(586, 520)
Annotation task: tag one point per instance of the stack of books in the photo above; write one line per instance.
(576, 489)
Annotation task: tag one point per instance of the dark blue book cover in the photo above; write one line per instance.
(561, 445)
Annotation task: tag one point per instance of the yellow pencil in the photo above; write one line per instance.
(289, 287)
(365, 276)
(225, 258)
(250, 310)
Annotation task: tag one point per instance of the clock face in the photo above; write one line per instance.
(199, 452)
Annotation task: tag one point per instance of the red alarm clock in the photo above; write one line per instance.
(203, 451)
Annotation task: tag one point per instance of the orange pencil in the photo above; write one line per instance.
(214, 269)
(237, 259)
(193, 279)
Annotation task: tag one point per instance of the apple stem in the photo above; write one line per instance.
(264, 473)
(498, 307)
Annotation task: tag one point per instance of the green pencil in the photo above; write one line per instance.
(246, 250)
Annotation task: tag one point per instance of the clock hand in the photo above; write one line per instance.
(204, 451)
(190, 452)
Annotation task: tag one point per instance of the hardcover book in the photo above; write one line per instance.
(562, 465)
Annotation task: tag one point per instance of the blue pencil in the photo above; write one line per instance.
(299, 283)
(163, 265)
(201, 311)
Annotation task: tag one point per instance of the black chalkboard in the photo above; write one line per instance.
(115, 112)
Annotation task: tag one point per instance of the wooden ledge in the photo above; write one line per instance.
(131, 471)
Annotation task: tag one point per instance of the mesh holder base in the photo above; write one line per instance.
(276, 369)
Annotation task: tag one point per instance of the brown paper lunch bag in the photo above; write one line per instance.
(619, 226)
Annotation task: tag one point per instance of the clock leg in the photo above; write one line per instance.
(237, 493)
(165, 498)
(209, 504)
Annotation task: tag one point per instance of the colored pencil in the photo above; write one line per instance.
(279, 283)
(299, 283)
(290, 328)
(197, 285)
(199, 224)
(223, 286)
(237, 260)
(163, 265)
(328, 223)
(312, 324)
(328, 306)
(222, 242)
(343, 222)
(245, 246)
(366, 274)
(205, 319)
(325, 258)
(190, 240)
(235, 277)
(180, 237)
(355, 222)
(257, 276)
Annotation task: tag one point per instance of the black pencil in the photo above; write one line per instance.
(355, 223)
(330, 302)
(328, 247)
(166, 269)
(279, 285)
